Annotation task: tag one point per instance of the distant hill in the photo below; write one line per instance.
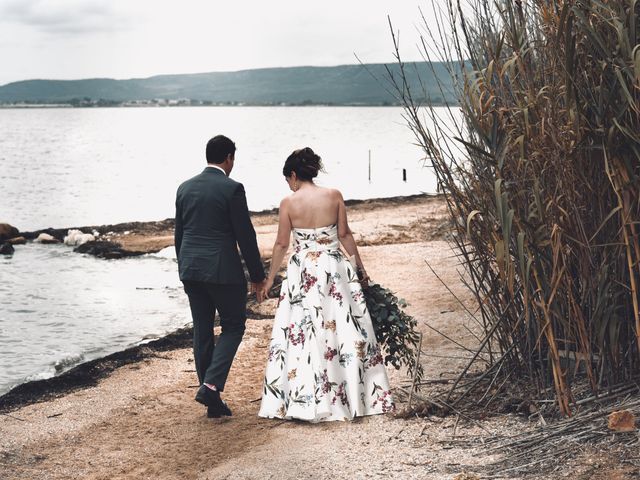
(342, 85)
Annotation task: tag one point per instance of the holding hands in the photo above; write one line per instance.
(259, 289)
(265, 288)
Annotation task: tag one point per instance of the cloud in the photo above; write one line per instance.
(63, 16)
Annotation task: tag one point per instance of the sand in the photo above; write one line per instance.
(141, 420)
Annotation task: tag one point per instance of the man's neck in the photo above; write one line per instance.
(213, 165)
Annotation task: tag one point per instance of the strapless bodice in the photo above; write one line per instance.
(316, 239)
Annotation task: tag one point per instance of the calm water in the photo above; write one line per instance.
(61, 308)
(74, 167)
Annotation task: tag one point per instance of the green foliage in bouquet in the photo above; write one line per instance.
(395, 330)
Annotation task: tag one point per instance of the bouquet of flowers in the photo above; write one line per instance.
(395, 330)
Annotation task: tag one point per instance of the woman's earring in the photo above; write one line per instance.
(295, 186)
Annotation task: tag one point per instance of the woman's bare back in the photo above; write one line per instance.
(314, 207)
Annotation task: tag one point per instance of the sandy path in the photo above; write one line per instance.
(379, 446)
(142, 422)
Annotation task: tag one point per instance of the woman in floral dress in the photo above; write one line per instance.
(324, 362)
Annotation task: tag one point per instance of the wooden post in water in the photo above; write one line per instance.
(404, 174)
(369, 166)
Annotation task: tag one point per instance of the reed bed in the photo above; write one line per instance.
(540, 174)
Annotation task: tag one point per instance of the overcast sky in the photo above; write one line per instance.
(70, 39)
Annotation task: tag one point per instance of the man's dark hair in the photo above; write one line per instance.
(218, 148)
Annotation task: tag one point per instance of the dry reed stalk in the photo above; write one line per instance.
(623, 205)
(541, 174)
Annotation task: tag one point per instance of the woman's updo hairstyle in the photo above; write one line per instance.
(304, 162)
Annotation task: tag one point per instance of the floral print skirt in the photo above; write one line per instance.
(324, 362)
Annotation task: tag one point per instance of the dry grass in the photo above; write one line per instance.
(544, 185)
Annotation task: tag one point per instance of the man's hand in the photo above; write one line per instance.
(259, 290)
(266, 287)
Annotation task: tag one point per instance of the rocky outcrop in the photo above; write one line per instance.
(108, 250)
(7, 232)
(105, 236)
(17, 241)
(99, 230)
(6, 249)
(57, 233)
(46, 238)
(78, 237)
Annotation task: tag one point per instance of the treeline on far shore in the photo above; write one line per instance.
(366, 84)
(101, 102)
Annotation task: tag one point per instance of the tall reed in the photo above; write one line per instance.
(545, 187)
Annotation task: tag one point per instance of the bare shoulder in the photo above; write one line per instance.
(335, 194)
(285, 202)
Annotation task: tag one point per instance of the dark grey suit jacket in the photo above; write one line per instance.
(212, 219)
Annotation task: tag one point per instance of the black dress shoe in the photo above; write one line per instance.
(213, 412)
(217, 412)
(215, 405)
(200, 394)
(226, 411)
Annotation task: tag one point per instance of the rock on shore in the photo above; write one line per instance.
(78, 237)
(6, 249)
(108, 250)
(7, 232)
(17, 241)
(46, 239)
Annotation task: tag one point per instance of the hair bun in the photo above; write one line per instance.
(304, 162)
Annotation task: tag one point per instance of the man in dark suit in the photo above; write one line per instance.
(212, 220)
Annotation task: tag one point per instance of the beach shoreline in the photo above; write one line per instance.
(87, 374)
(151, 236)
(132, 415)
(145, 237)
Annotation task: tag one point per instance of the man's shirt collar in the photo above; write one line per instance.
(215, 166)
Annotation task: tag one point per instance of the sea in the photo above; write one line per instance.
(64, 167)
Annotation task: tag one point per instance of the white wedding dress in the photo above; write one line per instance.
(324, 362)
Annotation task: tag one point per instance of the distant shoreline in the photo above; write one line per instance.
(124, 105)
(343, 85)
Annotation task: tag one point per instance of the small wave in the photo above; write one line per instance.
(66, 362)
(43, 375)
(51, 370)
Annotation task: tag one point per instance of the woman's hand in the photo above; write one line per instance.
(363, 277)
(266, 287)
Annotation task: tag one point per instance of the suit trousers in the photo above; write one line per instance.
(213, 361)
